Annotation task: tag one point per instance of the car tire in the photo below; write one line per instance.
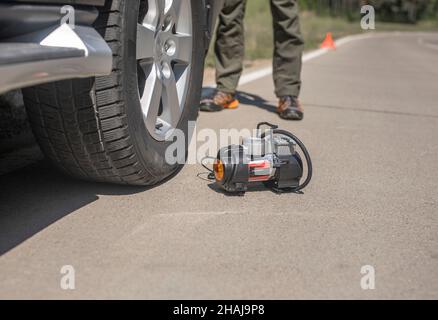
(96, 128)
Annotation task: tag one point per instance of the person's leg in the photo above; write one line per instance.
(229, 46)
(288, 48)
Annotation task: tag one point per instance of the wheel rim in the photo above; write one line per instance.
(164, 59)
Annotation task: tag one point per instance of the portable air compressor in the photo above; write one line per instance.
(271, 157)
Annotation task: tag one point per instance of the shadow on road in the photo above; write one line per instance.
(254, 187)
(33, 198)
(247, 98)
(256, 101)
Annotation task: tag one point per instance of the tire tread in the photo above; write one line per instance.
(81, 124)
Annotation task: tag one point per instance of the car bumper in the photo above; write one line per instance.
(38, 46)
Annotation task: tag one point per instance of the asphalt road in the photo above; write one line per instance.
(371, 125)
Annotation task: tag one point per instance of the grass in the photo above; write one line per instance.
(258, 35)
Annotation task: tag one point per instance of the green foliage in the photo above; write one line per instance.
(316, 21)
(404, 11)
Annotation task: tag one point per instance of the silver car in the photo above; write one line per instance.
(106, 82)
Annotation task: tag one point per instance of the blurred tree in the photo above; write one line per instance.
(407, 11)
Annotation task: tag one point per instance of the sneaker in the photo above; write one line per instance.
(289, 108)
(218, 101)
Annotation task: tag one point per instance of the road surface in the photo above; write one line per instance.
(371, 125)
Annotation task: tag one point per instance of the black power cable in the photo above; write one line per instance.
(276, 131)
(211, 172)
(303, 148)
(306, 155)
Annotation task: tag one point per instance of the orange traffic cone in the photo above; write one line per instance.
(328, 42)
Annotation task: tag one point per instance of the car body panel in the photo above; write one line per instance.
(34, 26)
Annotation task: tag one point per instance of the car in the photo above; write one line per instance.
(106, 82)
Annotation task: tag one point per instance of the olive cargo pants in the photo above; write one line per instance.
(288, 46)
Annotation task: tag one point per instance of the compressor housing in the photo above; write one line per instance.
(270, 158)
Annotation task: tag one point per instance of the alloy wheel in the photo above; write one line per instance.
(164, 58)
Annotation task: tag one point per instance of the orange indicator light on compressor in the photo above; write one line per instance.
(218, 168)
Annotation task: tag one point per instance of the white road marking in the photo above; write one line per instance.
(261, 73)
(427, 44)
